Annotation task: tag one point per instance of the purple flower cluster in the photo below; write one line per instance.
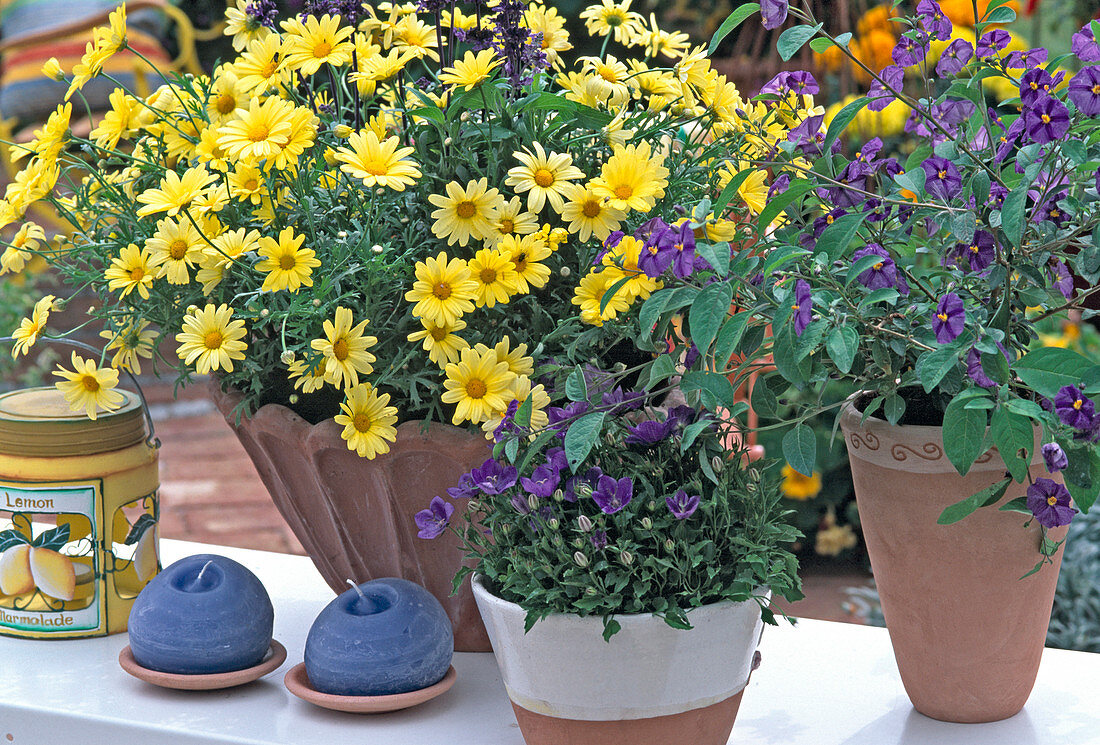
(263, 12)
(669, 246)
(350, 11)
(520, 48)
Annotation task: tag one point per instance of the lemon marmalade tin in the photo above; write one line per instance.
(78, 515)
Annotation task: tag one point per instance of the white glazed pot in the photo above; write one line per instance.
(650, 683)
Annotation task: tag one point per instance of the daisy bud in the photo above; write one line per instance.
(669, 545)
(750, 488)
(553, 523)
(626, 557)
(342, 234)
(580, 559)
(265, 313)
(52, 69)
(652, 505)
(316, 302)
(448, 142)
(91, 309)
(584, 523)
(578, 543)
(590, 591)
(342, 131)
(753, 474)
(717, 464)
(557, 541)
(287, 357)
(376, 248)
(190, 308)
(565, 271)
(404, 220)
(293, 399)
(558, 496)
(647, 523)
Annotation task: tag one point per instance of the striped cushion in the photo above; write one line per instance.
(27, 95)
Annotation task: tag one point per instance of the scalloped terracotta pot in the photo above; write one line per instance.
(355, 516)
(967, 632)
(649, 684)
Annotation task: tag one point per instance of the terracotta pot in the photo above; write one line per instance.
(650, 684)
(967, 632)
(355, 516)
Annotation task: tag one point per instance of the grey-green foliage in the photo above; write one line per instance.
(1075, 621)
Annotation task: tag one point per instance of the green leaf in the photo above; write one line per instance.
(710, 308)
(729, 336)
(611, 291)
(800, 449)
(1013, 214)
(780, 202)
(821, 44)
(836, 238)
(842, 345)
(717, 255)
(860, 266)
(934, 365)
(611, 626)
(9, 538)
(52, 539)
(145, 523)
(663, 367)
(733, 20)
(1012, 433)
(842, 119)
(1026, 408)
(984, 498)
(883, 294)
(1000, 15)
(653, 307)
(576, 387)
(780, 256)
(1019, 504)
(731, 189)
(1082, 476)
(963, 439)
(692, 431)
(893, 407)
(791, 40)
(715, 390)
(581, 436)
(764, 402)
(1047, 369)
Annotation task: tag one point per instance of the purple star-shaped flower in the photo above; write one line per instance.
(493, 477)
(589, 478)
(1084, 91)
(1083, 44)
(683, 250)
(880, 275)
(649, 432)
(1026, 58)
(434, 520)
(1007, 141)
(891, 77)
(557, 415)
(803, 306)
(1054, 457)
(980, 252)
(1074, 408)
(908, 52)
(1035, 84)
(1061, 278)
(954, 58)
(1049, 502)
(933, 20)
(657, 253)
(465, 489)
(1046, 120)
(681, 505)
(612, 495)
(942, 179)
(544, 480)
(808, 136)
(992, 42)
(773, 13)
(949, 318)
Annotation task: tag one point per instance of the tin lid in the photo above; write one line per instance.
(38, 422)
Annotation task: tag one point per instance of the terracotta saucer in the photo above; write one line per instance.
(297, 682)
(206, 682)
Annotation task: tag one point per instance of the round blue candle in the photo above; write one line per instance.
(383, 637)
(204, 614)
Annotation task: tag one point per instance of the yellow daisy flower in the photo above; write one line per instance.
(307, 378)
(90, 65)
(440, 341)
(615, 19)
(512, 220)
(88, 387)
(381, 67)
(131, 270)
(211, 339)
(288, 265)
(633, 178)
(368, 421)
(209, 152)
(466, 212)
(30, 329)
(623, 258)
(120, 122)
(588, 214)
(527, 253)
(413, 35)
(693, 67)
(259, 132)
(478, 385)
(517, 359)
(554, 38)
(175, 247)
(243, 27)
(112, 38)
(303, 131)
(130, 343)
(670, 44)
(472, 70)
(544, 177)
(345, 350)
(608, 79)
(247, 183)
(495, 277)
(261, 68)
(589, 295)
(15, 256)
(520, 391)
(226, 96)
(318, 41)
(798, 486)
(753, 190)
(378, 163)
(49, 141)
(443, 290)
(176, 192)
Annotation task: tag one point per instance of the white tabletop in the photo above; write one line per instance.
(820, 684)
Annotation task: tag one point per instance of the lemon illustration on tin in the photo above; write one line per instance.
(15, 570)
(145, 556)
(53, 573)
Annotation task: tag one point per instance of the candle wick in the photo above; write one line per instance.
(357, 588)
(202, 571)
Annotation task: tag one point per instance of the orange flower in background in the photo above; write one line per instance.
(876, 19)
(831, 59)
(961, 12)
(874, 50)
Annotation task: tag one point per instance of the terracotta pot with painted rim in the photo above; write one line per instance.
(967, 631)
(650, 683)
(354, 516)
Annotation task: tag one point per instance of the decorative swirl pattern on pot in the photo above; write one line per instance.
(864, 440)
(928, 451)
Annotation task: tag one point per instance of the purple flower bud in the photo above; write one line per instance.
(1054, 457)
(434, 520)
(1049, 502)
(949, 319)
(681, 505)
(773, 13)
(599, 539)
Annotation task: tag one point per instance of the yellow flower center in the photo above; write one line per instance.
(466, 209)
(340, 349)
(269, 69)
(795, 307)
(507, 225)
(877, 267)
(488, 275)
(213, 340)
(251, 185)
(361, 422)
(609, 75)
(941, 316)
(1034, 86)
(1096, 90)
(177, 249)
(476, 388)
(137, 274)
(1045, 118)
(941, 175)
(973, 249)
(91, 385)
(1052, 501)
(320, 51)
(258, 132)
(438, 333)
(374, 168)
(543, 177)
(614, 19)
(287, 262)
(591, 207)
(225, 103)
(1077, 404)
(829, 219)
(520, 260)
(624, 191)
(441, 290)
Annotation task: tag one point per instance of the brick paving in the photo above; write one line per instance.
(211, 493)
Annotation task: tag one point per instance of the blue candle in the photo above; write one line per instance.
(204, 614)
(382, 637)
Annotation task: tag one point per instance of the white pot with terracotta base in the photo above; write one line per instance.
(650, 684)
(967, 632)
